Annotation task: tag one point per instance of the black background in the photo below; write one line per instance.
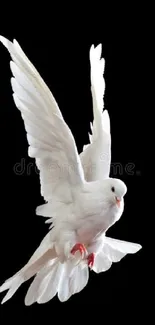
(62, 58)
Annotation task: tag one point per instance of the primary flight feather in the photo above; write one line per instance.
(81, 200)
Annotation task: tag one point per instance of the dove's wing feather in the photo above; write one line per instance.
(28, 69)
(96, 156)
(50, 140)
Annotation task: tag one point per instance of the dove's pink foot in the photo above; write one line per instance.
(90, 259)
(79, 247)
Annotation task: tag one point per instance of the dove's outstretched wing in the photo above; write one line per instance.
(96, 156)
(50, 140)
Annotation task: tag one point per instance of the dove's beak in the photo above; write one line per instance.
(118, 201)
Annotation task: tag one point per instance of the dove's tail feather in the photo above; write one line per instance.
(113, 251)
(52, 277)
(63, 279)
(28, 271)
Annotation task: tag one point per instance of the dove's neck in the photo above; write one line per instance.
(93, 186)
(97, 201)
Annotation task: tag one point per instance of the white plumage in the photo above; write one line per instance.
(82, 202)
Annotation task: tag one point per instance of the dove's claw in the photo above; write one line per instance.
(79, 247)
(90, 259)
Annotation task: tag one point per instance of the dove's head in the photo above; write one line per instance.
(115, 190)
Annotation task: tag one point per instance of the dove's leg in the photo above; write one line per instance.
(93, 249)
(91, 259)
(79, 248)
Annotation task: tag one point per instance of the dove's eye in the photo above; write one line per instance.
(113, 189)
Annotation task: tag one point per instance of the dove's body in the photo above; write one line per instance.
(82, 201)
(89, 215)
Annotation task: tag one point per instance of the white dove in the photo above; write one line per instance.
(81, 202)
